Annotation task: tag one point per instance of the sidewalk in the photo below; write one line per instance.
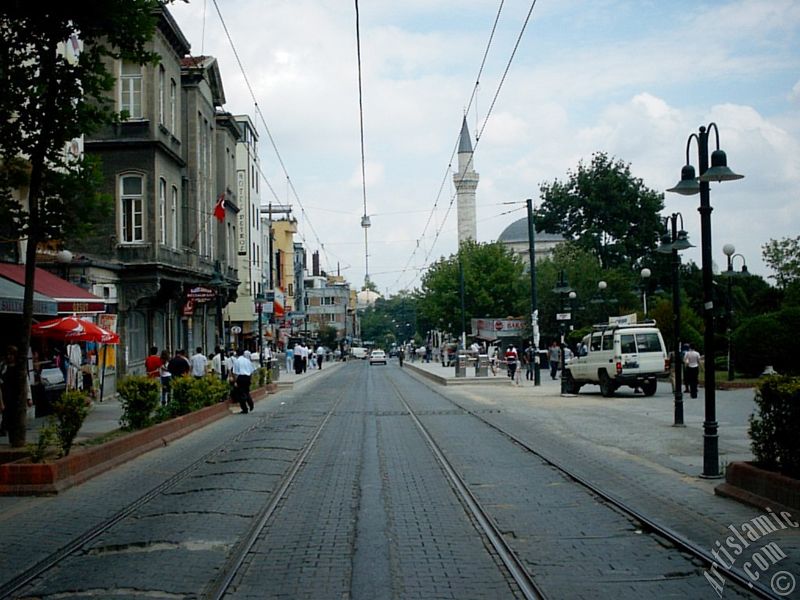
(104, 416)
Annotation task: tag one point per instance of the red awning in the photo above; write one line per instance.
(69, 297)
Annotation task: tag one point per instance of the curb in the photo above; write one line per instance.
(442, 380)
(32, 479)
(758, 487)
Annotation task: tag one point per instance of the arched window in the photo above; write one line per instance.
(131, 189)
(162, 211)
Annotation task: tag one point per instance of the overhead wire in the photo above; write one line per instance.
(365, 218)
(479, 134)
(269, 135)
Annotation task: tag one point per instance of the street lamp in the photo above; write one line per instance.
(534, 299)
(645, 274)
(562, 289)
(671, 243)
(730, 252)
(688, 186)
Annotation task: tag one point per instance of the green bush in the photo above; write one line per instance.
(48, 436)
(261, 377)
(190, 394)
(767, 340)
(140, 396)
(70, 411)
(774, 429)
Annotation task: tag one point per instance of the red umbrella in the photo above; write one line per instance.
(73, 329)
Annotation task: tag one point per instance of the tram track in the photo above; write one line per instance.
(524, 580)
(217, 587)
(649, 524)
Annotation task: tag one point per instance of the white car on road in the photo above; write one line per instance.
(377, 356)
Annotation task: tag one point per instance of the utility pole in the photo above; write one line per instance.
(537, 380)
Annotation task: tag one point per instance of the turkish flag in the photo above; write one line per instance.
(219, 209)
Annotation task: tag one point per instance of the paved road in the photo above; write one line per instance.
(370, 513)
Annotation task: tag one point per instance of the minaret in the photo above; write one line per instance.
(466, 181)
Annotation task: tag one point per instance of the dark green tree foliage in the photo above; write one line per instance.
(605, 210)
(773, 430)
(47, 101)
(768, 339)
(495, 285)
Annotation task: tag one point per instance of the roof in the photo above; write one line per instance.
(518, 232)
(464, 142)
(70, 297)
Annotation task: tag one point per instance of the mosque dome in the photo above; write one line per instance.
(517, 232)
(366, 298)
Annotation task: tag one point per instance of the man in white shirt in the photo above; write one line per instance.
(320, 356)
(305, 352)
(243, 368)
(216, 363)
(692, 362)
(199, 363)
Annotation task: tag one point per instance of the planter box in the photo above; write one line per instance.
(22, 478)
(747, 483)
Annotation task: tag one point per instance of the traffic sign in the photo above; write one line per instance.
(563, 316)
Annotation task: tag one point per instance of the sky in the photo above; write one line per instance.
(631, 78)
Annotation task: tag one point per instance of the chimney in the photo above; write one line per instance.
(315, 264)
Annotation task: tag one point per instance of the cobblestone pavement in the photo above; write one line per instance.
(370, 514)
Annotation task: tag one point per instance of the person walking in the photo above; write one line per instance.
(14, 410)
(320, 356)
(199, 363)
(152, 363)
(511, 357)
(243, 369)
(298, 359)
(528, 358)
(554, 357)
(166, 377)
(691, 361)
(217, 367)
(179, 365)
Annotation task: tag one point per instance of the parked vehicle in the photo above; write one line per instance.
(359, 352)
(614, 355)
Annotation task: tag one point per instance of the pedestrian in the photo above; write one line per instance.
(554, 356)
(14, 409)
(199, 363)
(401, 354)
(305, 353)
(691, 361)
(528, 358)
(511, 357)
(298, 359)
(494, 360)
(217, 366)
(679, 365)
(179, 365)
(320, 356)
(152, 363)
(243, 369)
(166, 377)
(289, 359)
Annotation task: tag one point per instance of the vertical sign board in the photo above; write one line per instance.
(242, 215)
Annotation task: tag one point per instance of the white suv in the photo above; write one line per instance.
(615, 355)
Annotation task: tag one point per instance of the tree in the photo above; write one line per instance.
(604, 210)
(494, 286)
(51, 97)
(783, 257)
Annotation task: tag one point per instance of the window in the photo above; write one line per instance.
(627, 344)
(291, 289)
(162, 211)
(648, 342)
(173, 230)
(130, 87)
(132, 208)
(161, 95)
(608, 341)
(332, 318)
(595, 342)
(173, 105)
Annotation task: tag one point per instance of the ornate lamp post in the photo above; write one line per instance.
(645, 274)
(671, 243)
(688, 186)
(730, 253)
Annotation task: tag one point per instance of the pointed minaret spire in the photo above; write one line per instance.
(466, 182)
